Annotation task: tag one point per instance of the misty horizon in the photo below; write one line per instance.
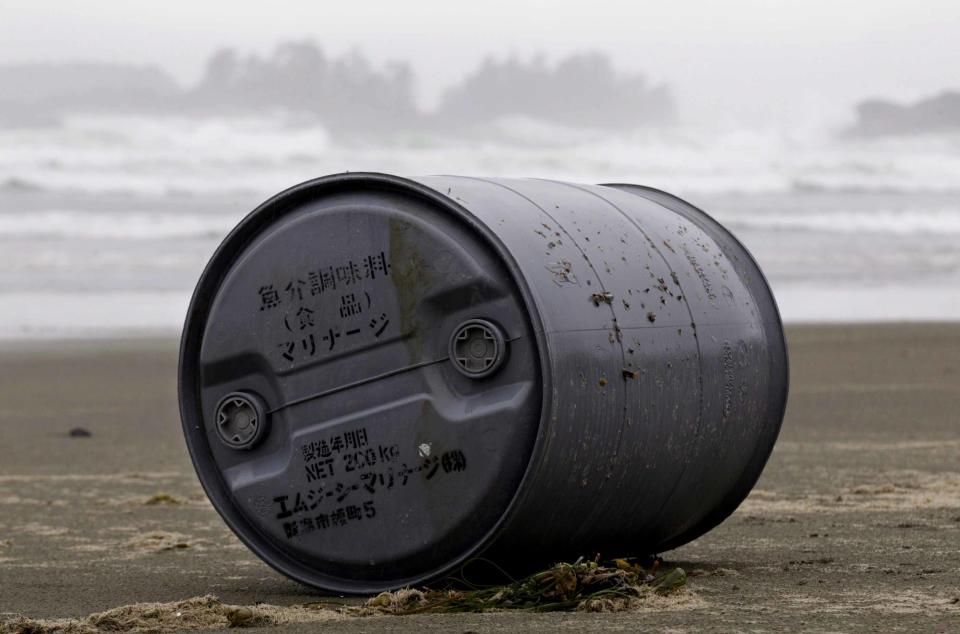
(739, 63)
(345, 92)
(828, 140)
(349, 92)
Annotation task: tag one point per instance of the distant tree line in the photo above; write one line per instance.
(344, 92)
(348, 93)
(582, 89)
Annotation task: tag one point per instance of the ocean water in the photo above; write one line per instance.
(106, 222)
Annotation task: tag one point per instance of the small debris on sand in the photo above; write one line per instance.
(714, 572)
(159, 541)
(874, 490)
(398, 601)
(163, 498)
(80, 432)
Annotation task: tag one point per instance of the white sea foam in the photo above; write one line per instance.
(34, 315)
(836, 303)
(158, 155)
(881, 221)
(121, 225)
(141, 225)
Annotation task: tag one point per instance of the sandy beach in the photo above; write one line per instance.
(854, 526)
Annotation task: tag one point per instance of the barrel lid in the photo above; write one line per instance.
(360, 382)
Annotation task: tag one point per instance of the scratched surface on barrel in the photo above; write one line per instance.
(668, 381)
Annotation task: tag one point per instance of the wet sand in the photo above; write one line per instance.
(854, 526)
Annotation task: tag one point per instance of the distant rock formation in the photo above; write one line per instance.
(876, 118)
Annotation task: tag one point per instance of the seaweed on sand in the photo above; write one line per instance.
(582, 585)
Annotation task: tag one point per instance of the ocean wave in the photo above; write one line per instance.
(141, 225)
(887, 187)
(899, 222)
(127, 225)
(39, 315)
(20, 185)
(155, 156)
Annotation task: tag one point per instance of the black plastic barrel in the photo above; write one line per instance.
(382, 378)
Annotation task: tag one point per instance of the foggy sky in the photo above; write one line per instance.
(736, 61)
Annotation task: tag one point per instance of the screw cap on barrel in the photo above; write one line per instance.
(477, 348)
(241, 420)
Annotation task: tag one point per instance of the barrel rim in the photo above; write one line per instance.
(205, 291)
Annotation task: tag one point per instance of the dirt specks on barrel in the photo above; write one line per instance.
(562, 271)
(604, 297)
